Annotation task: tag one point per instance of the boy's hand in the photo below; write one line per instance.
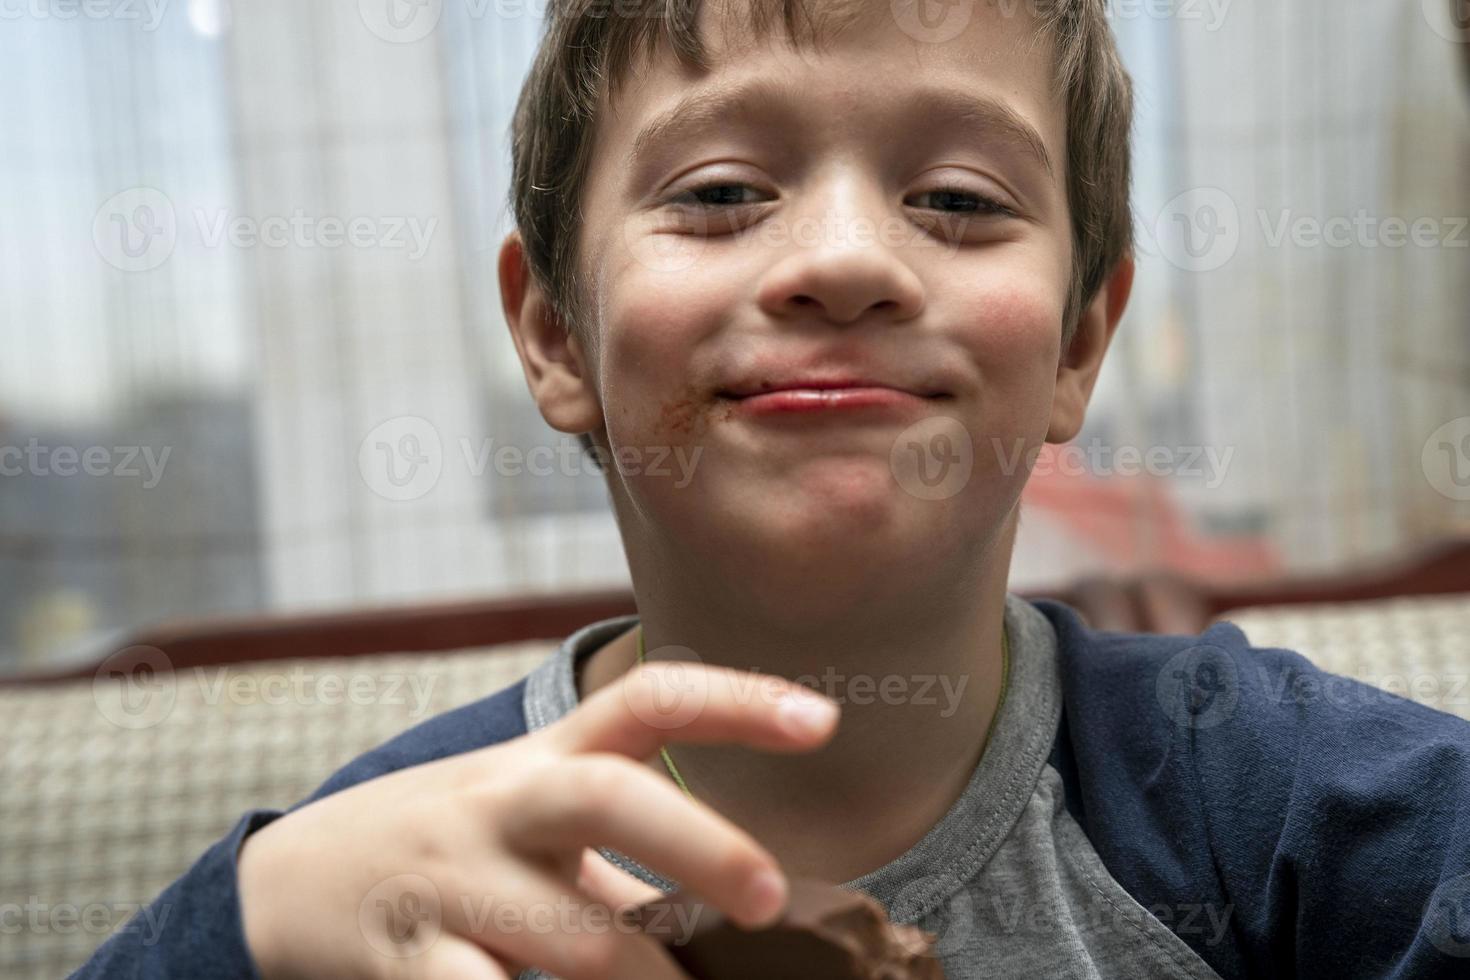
(467, 866)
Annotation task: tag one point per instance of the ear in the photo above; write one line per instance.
(556, 368)
(1077, 371)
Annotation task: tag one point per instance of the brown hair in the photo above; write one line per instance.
(589, 45)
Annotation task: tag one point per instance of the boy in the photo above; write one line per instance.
(1081, 803)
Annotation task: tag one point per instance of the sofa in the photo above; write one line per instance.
(118, 775)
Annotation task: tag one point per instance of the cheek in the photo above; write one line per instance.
(653, 325)
(1014, 334)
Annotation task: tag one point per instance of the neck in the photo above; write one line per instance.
(917, 672)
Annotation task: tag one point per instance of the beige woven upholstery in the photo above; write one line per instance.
(97, 816)
(1416, 646)
(95, 813)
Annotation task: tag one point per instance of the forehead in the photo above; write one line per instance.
(985, 61)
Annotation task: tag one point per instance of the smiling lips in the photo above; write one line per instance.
(807, 396)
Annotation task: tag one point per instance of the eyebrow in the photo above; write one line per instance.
(703, 109)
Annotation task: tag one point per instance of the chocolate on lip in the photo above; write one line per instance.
(826, 933)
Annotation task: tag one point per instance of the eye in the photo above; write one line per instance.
(959, 200)
(714, 195)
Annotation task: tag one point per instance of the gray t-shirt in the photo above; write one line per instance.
(1006, 880)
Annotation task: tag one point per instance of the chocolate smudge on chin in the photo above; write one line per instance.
(686, 414)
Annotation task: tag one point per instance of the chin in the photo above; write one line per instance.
(851, 517)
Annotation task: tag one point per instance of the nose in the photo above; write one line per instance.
(842, 264)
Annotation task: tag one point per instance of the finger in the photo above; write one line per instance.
(454, 958)
(536, 920)
(681, 701)
(606, 799)
(598, 878)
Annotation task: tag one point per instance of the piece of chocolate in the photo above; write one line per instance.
(826, 933)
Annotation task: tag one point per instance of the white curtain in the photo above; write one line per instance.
(1288, 369)
(125, 349)
(262, 238)
(387, 384)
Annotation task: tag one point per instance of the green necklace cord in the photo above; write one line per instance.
(1005, 675)
(663, 750)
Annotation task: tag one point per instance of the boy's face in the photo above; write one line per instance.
(880, 209)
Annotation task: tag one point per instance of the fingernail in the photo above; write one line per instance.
(806, 713)
(766, 897)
